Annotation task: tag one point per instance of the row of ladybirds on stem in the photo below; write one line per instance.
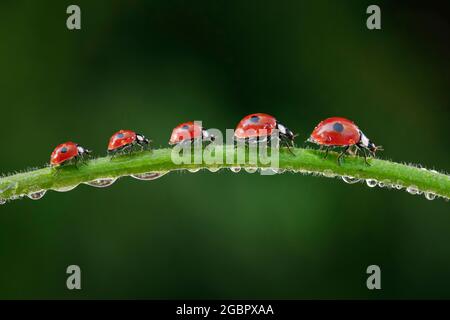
(330, 133)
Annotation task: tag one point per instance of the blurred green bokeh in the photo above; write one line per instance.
(149, 65)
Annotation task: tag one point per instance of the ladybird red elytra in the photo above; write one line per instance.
(341, 132)
(66, 152)
(187, 132)
(125, 140)
(260, 125)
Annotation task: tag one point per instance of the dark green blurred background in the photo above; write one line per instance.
(149, 65)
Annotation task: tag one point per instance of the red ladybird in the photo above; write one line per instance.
(188, 131)
(341, 132)
(126, 139)
(261, 125)
(66, 152)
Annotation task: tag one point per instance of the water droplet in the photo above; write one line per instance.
(371, 183)
(350, 180)
(328, 173)
(251, 169)
(148, 175)
(102, 182)
(36, 195)
(235, 169)
(66, 189)
(214, 169)
(268, 171)
(194, 170)
(430, 195)
(398, 187)
(2, 201)
(412, 189)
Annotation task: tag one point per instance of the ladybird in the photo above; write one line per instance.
(341, 132)
(260, 125)
(66, 152)
(187, 132)
(125, 140)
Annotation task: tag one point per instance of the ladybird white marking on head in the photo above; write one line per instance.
(206, 134)
(80, 150)
(140, 137)
(282, 128)
(364, 141)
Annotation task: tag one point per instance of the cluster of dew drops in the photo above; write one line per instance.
(106, 182)
(98, 183)
(398, 185)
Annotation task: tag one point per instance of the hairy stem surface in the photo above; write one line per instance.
(415, 180)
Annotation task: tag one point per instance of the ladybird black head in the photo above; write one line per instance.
(286, 133)
(141, 139)
(338, 127)
(373, 148)
(364, 142)
(82, 151)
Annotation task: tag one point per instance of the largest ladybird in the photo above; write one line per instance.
(341, 132)
(261, 125)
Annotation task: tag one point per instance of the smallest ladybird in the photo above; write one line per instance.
(188, 132)
(125, 140)
(67, 152)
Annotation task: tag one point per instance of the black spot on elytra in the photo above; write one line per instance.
(120, 136)
(338, 127)
(254, 119)
(63, 150)
(185, 127)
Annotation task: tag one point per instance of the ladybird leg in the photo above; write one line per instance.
(342, 154)
(289, 148)
(80, 160)
(365, 156)
(144, 146)
(141, 146)
(76, 161)
(285, 141)
(129, 150)
(353, 150)
(359, 149)
(327, 149)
